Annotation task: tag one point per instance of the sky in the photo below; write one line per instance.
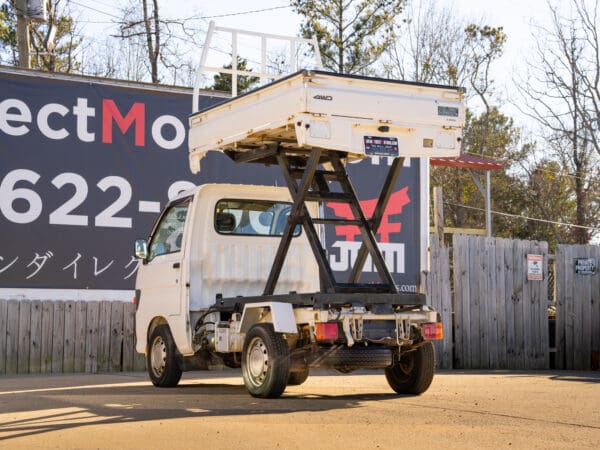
(276, 17)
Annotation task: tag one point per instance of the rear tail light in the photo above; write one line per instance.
(326, 331)
(433, 331)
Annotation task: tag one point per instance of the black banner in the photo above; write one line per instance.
(86, 165)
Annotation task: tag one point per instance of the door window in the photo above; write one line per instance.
(168, 235)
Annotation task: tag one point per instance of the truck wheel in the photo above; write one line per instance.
(297, 378)
(163, 368)
(265, 362)
(414, 372)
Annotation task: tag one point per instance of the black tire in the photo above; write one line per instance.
(413, 374)
(161, 359)
(297, 378)
(265, 362)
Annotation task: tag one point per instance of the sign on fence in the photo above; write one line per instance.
(585, 266)
(535, 265)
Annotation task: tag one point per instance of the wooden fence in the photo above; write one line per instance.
(577, 309)
(67, 336)
(493, 316)
(500, 317)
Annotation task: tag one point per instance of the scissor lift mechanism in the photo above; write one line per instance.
(307, 182)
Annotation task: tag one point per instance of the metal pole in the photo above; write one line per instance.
(438, 213)
(23, 34)
(488, 205)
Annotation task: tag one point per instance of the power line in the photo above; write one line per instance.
(517, 216)
(241, 13)
(98, 2)
(96, 10)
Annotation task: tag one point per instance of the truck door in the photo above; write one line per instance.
(161, 275)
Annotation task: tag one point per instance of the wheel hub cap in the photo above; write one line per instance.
(258, 361)
(158, 358)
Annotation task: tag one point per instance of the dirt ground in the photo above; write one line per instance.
(357, 411)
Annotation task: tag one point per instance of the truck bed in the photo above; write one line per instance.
(358, 116)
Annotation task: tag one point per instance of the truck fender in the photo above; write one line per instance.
(282, 316)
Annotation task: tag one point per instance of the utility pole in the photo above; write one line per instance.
(23, 33)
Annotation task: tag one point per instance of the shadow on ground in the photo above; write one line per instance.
(26, 412)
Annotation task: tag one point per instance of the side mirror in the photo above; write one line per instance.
(141, 249)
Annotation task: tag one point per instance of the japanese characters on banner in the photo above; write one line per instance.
(86, 166)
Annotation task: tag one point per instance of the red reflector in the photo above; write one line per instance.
(326, 331)
(134, 300)
(432, 331)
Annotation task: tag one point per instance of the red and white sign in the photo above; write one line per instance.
(535, 267)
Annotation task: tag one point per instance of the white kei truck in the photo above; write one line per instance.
(238, 274)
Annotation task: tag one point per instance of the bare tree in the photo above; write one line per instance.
(560, 93)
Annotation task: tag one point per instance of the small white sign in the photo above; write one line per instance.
(535, 267)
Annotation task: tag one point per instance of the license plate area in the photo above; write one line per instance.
(381, 146)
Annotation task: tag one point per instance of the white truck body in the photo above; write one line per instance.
(239, 274)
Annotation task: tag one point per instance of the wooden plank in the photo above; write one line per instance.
(540, 319)
(526, 308)
(116, 336)
(528, 340)
(461, 297)
(483, 297)
(500, 271)
(509, 292)
(80, 354)
(535, 290)
(474, 302)
(559, 276)
(128, 336)
(489, 349)
(35, 342)
(517, 279)
(584, 297)
(431, 280)
(91, 341)
(458, 276)
(104, 336)
(492, 312)
(595, 333)
(569, 309)
(3, 321)
(446, 306)
(539, 313)
(454, 230)
(24, 336)
(438, 288)
(46, 343)
(58, 337)
(69, 337)
(12, 337)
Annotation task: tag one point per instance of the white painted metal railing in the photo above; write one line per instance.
(264, 75)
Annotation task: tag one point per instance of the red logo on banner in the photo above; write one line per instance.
(397, 201)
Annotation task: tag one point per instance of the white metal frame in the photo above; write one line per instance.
(264, 75)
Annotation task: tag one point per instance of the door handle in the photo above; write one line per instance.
(176, 265)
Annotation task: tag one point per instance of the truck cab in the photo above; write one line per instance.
(217, 239)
